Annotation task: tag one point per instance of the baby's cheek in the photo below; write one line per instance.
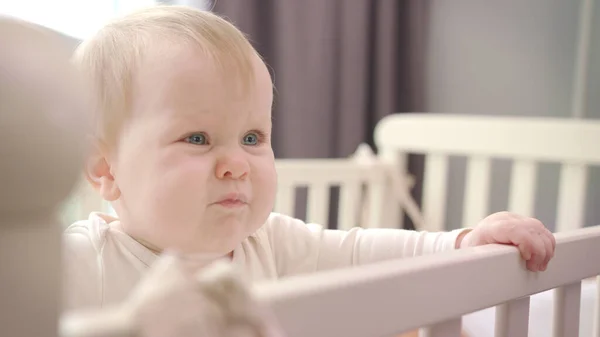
(186, 181)
(264, 181)
(179, 187)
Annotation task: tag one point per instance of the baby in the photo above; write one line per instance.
(182, 149)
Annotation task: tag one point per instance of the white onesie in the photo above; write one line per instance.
(102, 263)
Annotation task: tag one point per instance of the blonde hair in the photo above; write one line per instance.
(111, 58)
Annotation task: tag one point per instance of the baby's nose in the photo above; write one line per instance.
(232, 167)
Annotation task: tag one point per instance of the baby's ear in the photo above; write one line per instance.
(99, 174)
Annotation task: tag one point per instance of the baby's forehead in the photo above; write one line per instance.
(188, 76)
(168, 58)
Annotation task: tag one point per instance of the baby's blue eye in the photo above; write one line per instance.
(197, 139)
(251, 139)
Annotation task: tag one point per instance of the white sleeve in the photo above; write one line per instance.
(301, 248)
(82, 277)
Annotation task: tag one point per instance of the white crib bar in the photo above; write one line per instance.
(449, 328)
(566, 310)
(522, 187)
(392, 213)
(402, 186)
(512, 318)
(434, 192)
(285, 199)
(350, 197)
(317, 209)
(376, 205)
(367, 300)
(571, 201)
(477, 190)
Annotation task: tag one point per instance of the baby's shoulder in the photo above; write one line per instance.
(87, 235)
(280, 226)
(82, 243)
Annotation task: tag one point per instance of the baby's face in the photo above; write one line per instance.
(194, 166)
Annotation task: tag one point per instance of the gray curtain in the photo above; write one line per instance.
(339, 66)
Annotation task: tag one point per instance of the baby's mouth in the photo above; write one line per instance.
(232, 200)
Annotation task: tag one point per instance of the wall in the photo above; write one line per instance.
(507, 57)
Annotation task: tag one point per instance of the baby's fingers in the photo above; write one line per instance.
(550, 244)
(533, 250)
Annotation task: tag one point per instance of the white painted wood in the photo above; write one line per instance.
(434, 192)
(394, 194)
(333, 171)
(477, 191)
(522, 187)
(317, 209)
(449, 328)
(512, 318)
(373, 190)
(571, 197)
(401, 187)
(531, 138)
(566, 310)
(376, 204)
(350, 205)
(285, 199)
(524, 140)
(300, 303)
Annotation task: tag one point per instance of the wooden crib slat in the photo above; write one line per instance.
(566, 310)
(350, 196)
(285, 200)
(477, 190)
(375, 205)
(317, 209)
(571, 202)
(512, 318)
(434, 192)
(522, 187)
(450, 328)
(392, 213)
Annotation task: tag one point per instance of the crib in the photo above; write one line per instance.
(526, 142)
(391, 294)
(433, 292)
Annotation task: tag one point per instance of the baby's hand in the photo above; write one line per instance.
(535, 242)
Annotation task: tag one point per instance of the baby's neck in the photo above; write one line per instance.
(191, 257)
(196, 258)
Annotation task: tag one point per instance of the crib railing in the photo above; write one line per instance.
(435, 291)
(525, 141)
(430, 292)
(372, 193)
